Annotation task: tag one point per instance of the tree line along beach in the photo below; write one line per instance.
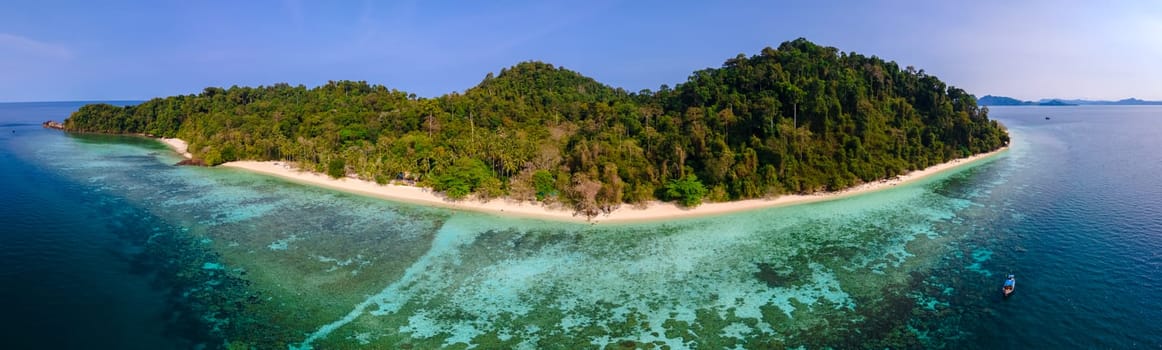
(788, 122)
(653, 211)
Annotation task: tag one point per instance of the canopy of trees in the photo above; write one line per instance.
(797, 119)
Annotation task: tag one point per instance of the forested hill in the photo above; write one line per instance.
(796, 119)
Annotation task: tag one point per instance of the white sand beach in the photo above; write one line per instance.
(178, 145)
(654, 211)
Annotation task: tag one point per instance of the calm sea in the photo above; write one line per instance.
(105, 245)
(68, 277)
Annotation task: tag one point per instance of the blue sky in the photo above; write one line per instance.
(86, 50)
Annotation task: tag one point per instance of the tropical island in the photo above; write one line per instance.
(799, 120)
(990, 100)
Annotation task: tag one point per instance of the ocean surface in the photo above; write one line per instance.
(104, 244)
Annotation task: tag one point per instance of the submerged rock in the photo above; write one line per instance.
(191, 162)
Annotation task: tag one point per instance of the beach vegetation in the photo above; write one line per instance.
(467, 176)
(543, 182)
(687, 191)
(796, 118)
(337, 168)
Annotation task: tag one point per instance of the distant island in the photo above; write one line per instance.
(797, 119)
(990, 100)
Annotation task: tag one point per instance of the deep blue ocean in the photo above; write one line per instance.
(105, 245)
(68, 279)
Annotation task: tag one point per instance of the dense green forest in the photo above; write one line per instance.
(796, 119)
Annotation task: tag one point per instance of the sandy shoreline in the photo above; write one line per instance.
(655, 211)
(178, 145)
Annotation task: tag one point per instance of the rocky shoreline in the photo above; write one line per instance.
(53, 125)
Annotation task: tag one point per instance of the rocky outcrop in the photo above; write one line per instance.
(191, 161)
(53, 125)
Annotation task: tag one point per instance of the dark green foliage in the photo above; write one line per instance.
(800, 118)
(466, 176)
(453, 186)
(688, 191)
(101, 117)
(543, 182)
(337, 168)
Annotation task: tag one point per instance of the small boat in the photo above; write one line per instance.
(1046, 118)
(1010, 284)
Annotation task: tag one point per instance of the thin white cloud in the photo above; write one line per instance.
(19, 46)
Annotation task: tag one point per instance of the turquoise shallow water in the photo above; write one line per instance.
(202, 256)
